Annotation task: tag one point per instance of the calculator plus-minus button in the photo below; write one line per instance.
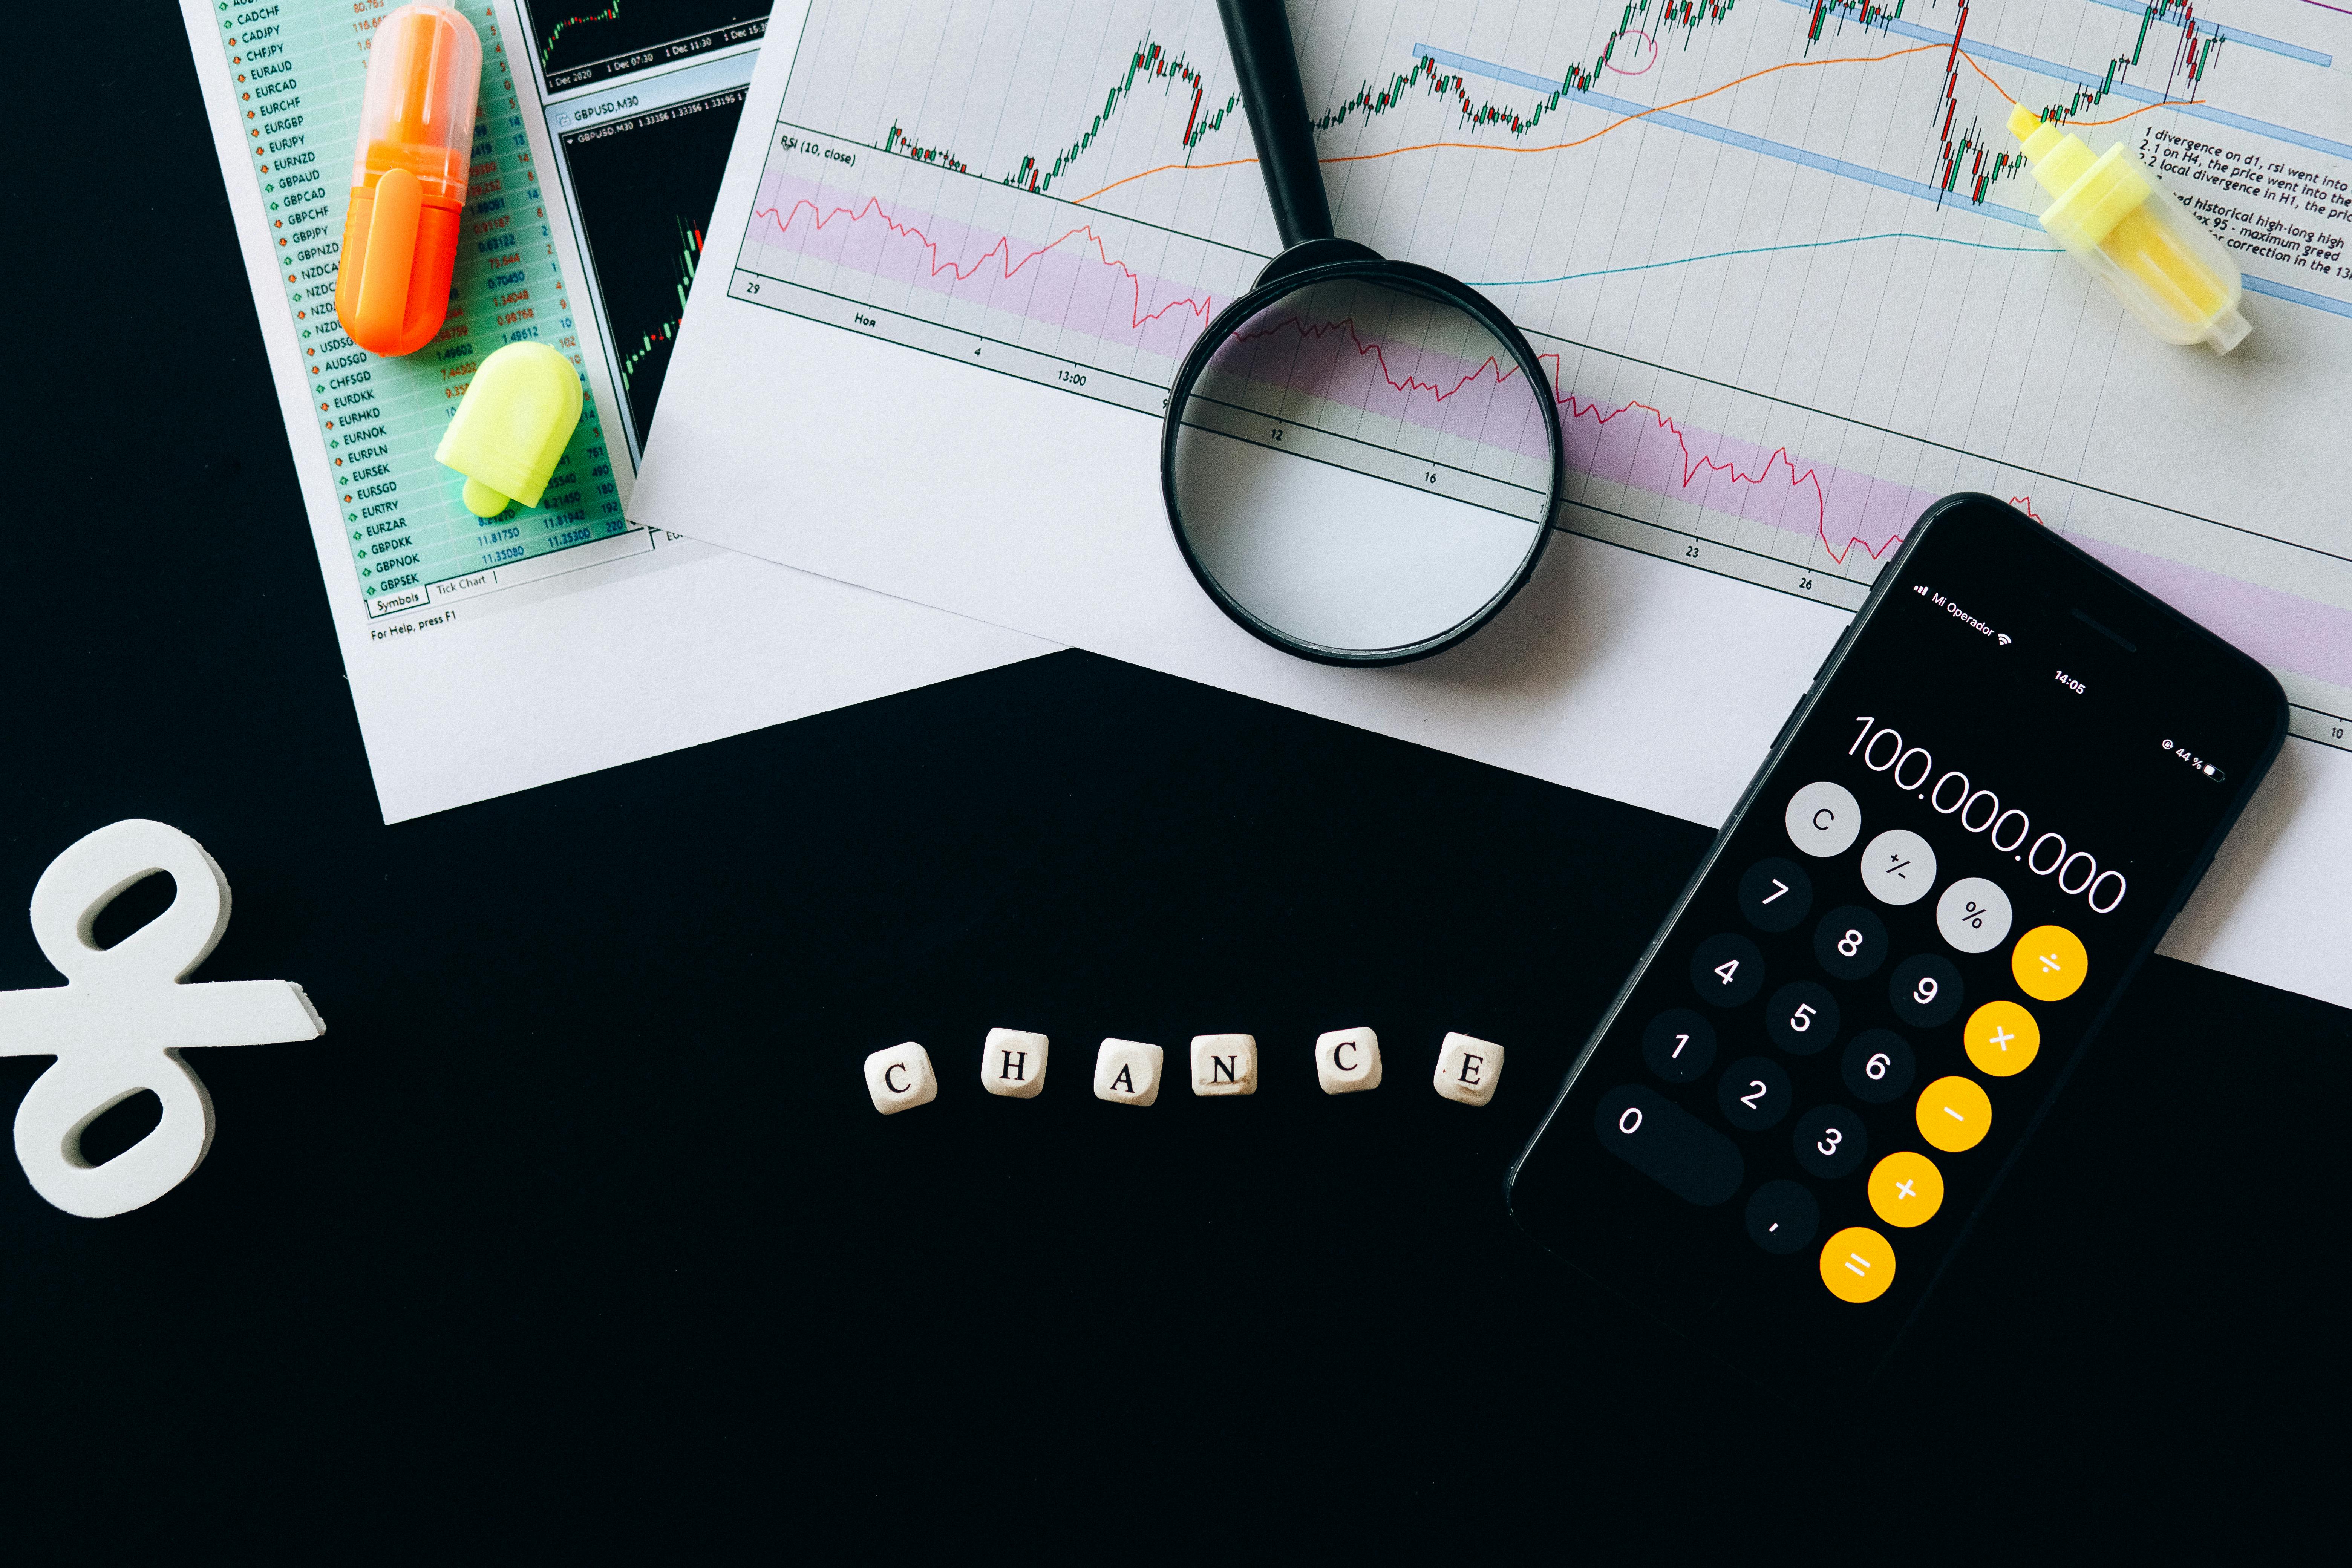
(1669, 1145)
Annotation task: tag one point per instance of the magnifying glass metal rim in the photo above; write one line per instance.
(1278, 283)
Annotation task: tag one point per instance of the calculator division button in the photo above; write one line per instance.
(1753, 1093)
(1926, 991)
(1898, 867)
(1973, 914)
(1782, 1217)
(1727, 969)
(1857, 1264)
(1906, 1189)
(1954, 1114)
(1850, 943)
(2049, 963)
(1802, 1017)
(2001, 1038)
(1669, 1145)
(1878, 1067)
(1824, 819)
(1775, 894)
(1678, 1045)
(1829, 1141)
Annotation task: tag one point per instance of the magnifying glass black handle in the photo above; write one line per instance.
(1257, 34)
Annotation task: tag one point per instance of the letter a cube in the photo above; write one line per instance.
(1126, 1072)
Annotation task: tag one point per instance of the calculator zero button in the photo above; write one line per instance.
(1727, 969)
(1669, 1145)
(1753, 1093)
(1824, 819)
(1898, 867)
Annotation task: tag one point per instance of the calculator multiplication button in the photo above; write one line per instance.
(1782, 1217)
(1954, 1114)
(2001, 1038)
(1678, 1045)
(1850, 943)
(2049, 963)
(1775, 894)
(1753, 1093)
(1973, 914)
(1727, 969)
(1857, 1264)
(1824, 819)
(1878, 1067)
(1669, 1145)
(1906, 1189)
(1926, 991)
(1802, 1017)
(1829, 1141)
(1898, 867)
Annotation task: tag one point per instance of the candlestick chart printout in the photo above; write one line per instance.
(1779, 260)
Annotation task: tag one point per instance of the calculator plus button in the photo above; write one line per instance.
(1727, 969)
(1906, 1189)
(1753, 1093)
(1898, 867)
(1954, 1114)
(1669, 1145)
(1926, 991)
(2049, 963)
(1775, 894)
(2001, 1038)
(1782, 1217)
(1878, 1067)
(1850, 943)
(1824, 819)
(1802, 1017)
(1857, 1264)
(1973, 914)
(1829, 1141)
(1678, 1045)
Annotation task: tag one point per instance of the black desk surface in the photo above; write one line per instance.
(577, 1223)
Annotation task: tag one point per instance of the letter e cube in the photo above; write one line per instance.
(1468, 1070)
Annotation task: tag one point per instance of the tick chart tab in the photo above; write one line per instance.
(1778, 256)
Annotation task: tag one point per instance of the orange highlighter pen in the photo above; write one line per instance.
(408, 184)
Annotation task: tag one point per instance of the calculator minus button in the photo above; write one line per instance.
(1669, 1145)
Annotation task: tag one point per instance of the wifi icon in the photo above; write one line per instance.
(2001, 638)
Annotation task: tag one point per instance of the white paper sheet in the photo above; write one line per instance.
(492, 665)
(1792, 290)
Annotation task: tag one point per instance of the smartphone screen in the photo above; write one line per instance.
(2004, 782)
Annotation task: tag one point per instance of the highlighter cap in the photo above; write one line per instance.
(512, 428)
(424, 70)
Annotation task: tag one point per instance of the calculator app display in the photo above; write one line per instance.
(2001, 791)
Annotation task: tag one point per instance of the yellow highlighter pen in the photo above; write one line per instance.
(2135, 236)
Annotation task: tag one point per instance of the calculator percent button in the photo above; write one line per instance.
(1954, 1114)
(1753, 1093)
(2002, 1039)
(1973, 914)
(1727, 969)
(2049, 963)
(1668, 1144)
(1857, 1264)
(1906, 1189)
(1822, 819)
(1782, 1217)
(1898, 867)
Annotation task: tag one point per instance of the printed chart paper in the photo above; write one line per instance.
(1780, 258)
(490, 656)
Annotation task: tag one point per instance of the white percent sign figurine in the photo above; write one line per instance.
(121, 1020)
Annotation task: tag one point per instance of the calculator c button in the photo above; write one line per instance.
(1857, 1264)
(1954, 1114)
(2001, 1038)
(1906, 1189)
(1669, 1145)
(1822, 819)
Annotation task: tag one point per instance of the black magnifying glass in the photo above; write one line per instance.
(1362, 456)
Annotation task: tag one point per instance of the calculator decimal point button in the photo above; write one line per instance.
(1878, 1067)
(1753, 1093)
(1782, 1217)
(1824, 819)
(1727, 969)
(1850, 943)
(1775, 894)
(1678, 1045)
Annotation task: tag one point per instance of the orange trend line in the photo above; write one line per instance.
(1554, 146)
(2143, 109)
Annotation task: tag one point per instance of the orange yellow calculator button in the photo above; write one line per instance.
(2001, 1038)
(1954, 1114)
(2049, 963)
(1906, 1189)
(1857, 1264)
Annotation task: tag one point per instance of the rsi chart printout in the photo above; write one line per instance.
(487, 656)
(1778, 256)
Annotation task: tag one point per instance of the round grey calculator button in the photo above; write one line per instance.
(1973, 914)
(1782, 1217)
(1898, 867)
(1824, 819)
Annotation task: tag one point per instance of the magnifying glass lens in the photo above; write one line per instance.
(1361, 468)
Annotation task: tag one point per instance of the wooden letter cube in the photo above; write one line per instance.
(1468, 1070)
(1347, 1061)
(1126, 1072)
(901, 1078)
(1225, 1064)
(1012, 1063)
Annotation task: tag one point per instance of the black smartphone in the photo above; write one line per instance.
(2005, 780)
